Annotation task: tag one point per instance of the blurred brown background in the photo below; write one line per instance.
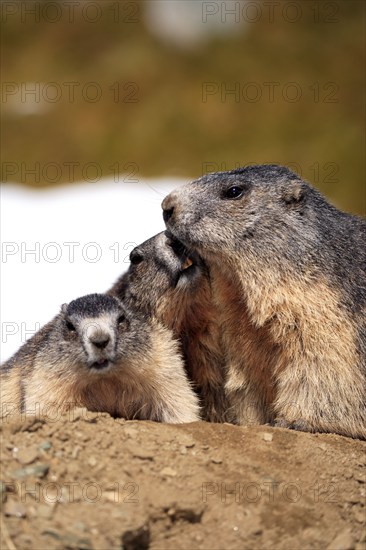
(171, 88)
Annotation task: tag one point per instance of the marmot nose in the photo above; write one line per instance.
(100, 342)
(136, 257)
(167, 214)
(168, 208)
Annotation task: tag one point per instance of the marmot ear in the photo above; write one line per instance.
(294, 192)
(64, 308)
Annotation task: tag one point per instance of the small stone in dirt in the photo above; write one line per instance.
(32, 424)
(45, 446)
(187, 441)
(52, 533)
(136, 539)
(188, 514)
(216, 460)
(343, 541)
(26, 455)
(69, 541)
(140, 452)
(79, 526)
(360, 477)
(38, 470)
(353, 498)
(92, 461)
(168, 471)
(13, 508)
(75, 452)
(267, 437)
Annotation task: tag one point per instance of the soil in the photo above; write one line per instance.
(88, 481)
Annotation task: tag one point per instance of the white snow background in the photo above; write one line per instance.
(58, 244)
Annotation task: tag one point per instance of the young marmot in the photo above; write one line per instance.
(95, 354)
(166, 282)
(289, 278)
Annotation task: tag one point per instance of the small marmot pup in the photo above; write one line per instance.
(167, 282)
(289, 277)
(95, 354)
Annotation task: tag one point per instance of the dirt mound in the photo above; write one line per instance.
(87, 480)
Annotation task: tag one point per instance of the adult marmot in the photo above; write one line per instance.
(289, 278)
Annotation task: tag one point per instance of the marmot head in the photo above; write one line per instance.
(225, 212)
(158, 266)
(95, 333)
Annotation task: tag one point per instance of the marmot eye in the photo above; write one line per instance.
(233, 192)
(120, 319)
(70, 326)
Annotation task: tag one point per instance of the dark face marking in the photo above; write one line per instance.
(92, 305)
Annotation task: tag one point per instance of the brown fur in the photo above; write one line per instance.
(273, 367)
(197, 329)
